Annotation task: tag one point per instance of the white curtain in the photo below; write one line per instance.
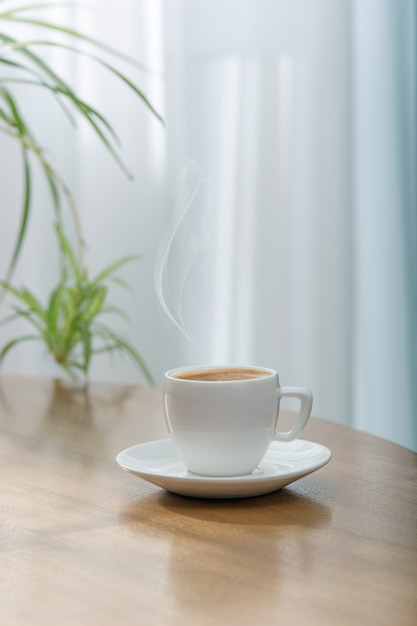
(291, 140)
(384, 259)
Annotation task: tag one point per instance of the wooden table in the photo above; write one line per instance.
(82, 542)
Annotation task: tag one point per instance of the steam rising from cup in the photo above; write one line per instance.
(184, 261)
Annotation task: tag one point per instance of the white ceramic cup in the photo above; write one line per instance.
(224, 427)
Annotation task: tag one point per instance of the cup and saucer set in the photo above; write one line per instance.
(223, 442)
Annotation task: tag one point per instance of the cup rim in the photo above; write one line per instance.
(170, 374)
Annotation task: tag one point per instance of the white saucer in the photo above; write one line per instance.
(283, 463)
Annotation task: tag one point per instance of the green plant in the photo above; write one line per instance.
(74, 305)
(70, 324)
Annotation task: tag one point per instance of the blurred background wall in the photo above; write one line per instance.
(291, 139)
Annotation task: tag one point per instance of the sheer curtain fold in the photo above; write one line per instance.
(385, 209)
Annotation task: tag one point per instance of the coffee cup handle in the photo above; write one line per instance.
(306, 398)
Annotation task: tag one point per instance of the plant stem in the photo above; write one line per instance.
(61, 183)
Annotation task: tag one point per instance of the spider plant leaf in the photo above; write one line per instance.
(27, 188)
(95, 304)
(4, 284)
(36, 82)
(8, 61)
(16, 116)
(10, 318)
(44, 85)
(5, 117)
(56, 199)
(14, 342)
(74, 34)
(91, 114)
(88, 110)
(87, 113)
(29, 317)
(38, 63)
(24, 132)
(28, 298)
(82, 106)
(132, 86)
(121, 76)
(113, 267)
(55, 306)
(33, 303)
(67, 250)
(121, 283)
(65, 89)
(109, 308)
(87, 350)
(58, 90)
(122, 345)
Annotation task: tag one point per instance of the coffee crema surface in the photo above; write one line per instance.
(222, 374)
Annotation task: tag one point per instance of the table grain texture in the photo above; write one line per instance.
(84, 543)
